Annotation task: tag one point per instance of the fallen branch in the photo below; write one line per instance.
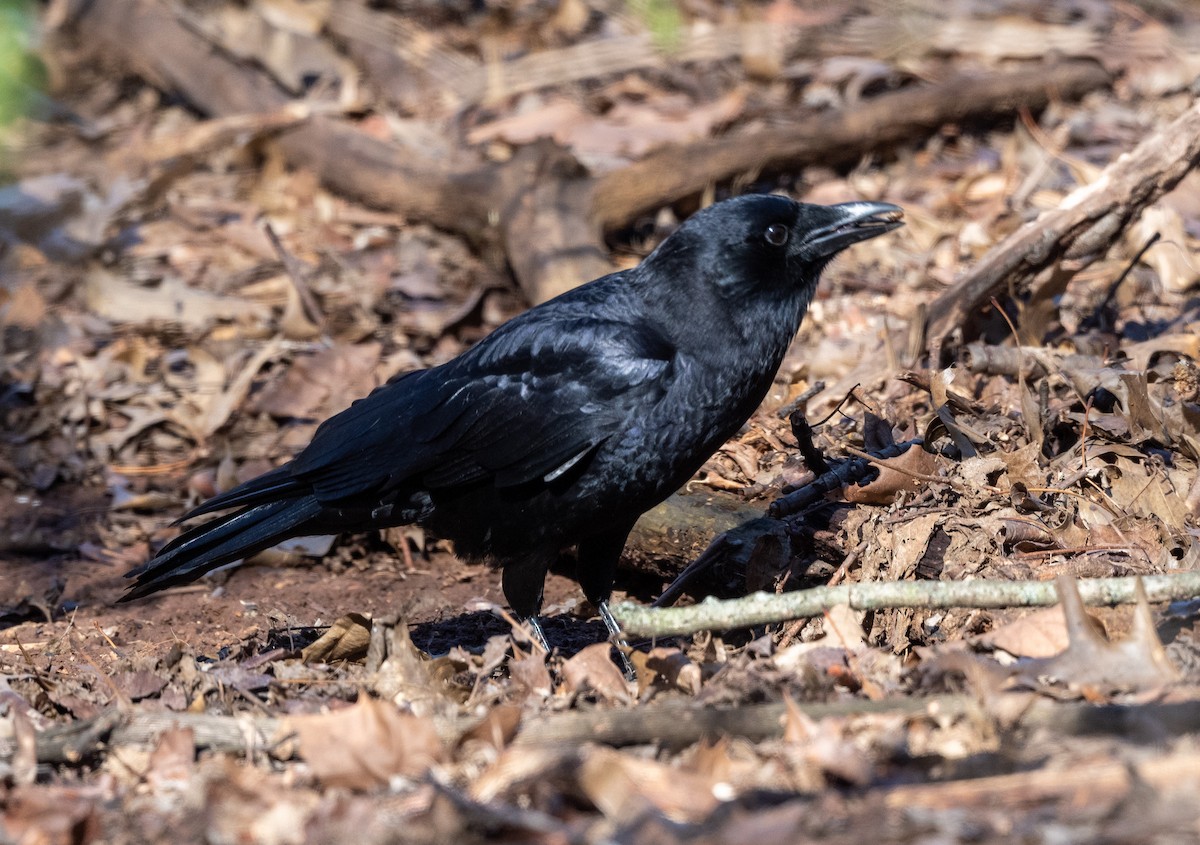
(674, 724)
(669, 538)
(1082, 786)
(764, 608)
(245, 734)
(77, 741)
(837, 137)
(540, 213)
(393, 52)
(677, 725)
(1081, 230)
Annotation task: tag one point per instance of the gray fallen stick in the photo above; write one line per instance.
(764, 608)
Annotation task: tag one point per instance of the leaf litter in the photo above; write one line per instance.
(156, 348)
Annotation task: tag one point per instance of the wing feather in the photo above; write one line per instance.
(520, 408)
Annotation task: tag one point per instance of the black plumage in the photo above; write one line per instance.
(566, 423)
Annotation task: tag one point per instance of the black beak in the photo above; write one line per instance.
(854, 222)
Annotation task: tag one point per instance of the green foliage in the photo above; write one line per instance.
(663, 19)
(20, 71)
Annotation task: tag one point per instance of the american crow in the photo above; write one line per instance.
(566, 423)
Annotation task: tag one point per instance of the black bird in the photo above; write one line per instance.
(566, 423)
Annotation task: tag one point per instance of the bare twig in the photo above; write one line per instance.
(1080, 230)
(296, 273)
(764, 608)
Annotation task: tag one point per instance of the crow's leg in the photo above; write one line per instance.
(523, 580)
(597, 569)
(535, 626)
(610, 622)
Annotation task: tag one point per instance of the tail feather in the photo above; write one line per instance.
(223, 540)
(270, 486)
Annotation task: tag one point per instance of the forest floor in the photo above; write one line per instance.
(222, 222)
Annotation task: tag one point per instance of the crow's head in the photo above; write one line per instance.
(763, 246)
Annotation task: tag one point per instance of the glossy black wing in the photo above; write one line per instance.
(521, 407)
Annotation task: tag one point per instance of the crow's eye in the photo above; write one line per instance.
(776, 234)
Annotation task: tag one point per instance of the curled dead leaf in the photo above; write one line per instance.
(667, 667)
(531, 675)
(497, 728)
(592, 670)
(823, 744)
(891, 482)
(624, 787)
(366, 744)
(346, 639)
(1138, 662)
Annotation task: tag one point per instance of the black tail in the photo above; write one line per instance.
(270, 486)
(223, 540)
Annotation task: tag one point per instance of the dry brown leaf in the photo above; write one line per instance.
(1022, 465)
(108, 443)
(531, 675)
(172, 301)
(522, 767)
(1155, 58)
(497, 727)
(246, 804)
(909, 542)
(627, 130)
(405, 676)
(294, 323)
(592, 670)
(138, 684)
(201, 139)
(890, 482)
(1170, 258)
(844, 627)
(1184, 344)
(822, 744)
(366, 745)
(554, 120)
(981, 470)
(666, 667)
(1039, 633)
(1139, 417)
(37, 814)
(317, 386)
(1092, 662)
(1141, 490)
(231, 398)
(24, 758)
(624, 787)
(173, 759)
(22, 307)
(346, 639)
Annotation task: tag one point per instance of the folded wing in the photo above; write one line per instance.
(519, 409)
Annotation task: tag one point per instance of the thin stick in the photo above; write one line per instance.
(295, 272)
(765, 608)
